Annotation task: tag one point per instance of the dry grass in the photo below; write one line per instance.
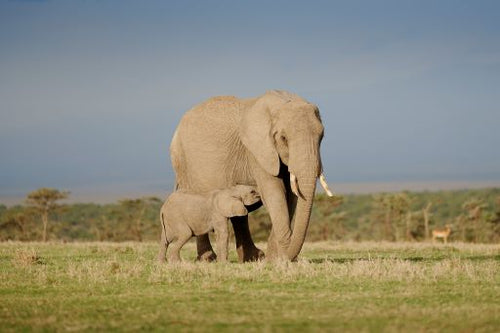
(26, 257)
(334, 286)
(402, 246)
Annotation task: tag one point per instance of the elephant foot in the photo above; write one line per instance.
(276, 256)
(208, 256)
(272, 249)
(161, 260)
(251, 254)
(204, 249)
(271, 255)
(275, 252)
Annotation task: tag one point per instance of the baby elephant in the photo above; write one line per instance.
(184, 215)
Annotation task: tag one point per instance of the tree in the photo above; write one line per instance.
(392, 210)
(495, 221)
(44, 202)
(474, 208)
(427, 214)
(13, 225)
(336, 220)
(415, 225)
(134, 210)
(329, 218)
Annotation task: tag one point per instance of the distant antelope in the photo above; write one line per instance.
(441, 233)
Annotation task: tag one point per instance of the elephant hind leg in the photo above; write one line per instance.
(177, 243)
(245, 247)
(204, 249)
(163, 251)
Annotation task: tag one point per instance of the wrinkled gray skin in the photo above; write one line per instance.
(259, 141)
(184, 215)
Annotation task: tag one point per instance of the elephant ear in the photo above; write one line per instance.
(255, 133)
(229, 206)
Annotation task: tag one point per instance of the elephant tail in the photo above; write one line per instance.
(163, 240)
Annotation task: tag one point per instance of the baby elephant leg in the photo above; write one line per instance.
(183, 235)
(222, 239)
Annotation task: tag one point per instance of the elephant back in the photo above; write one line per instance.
(204, 143)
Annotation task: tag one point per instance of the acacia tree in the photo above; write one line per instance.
(14, 225)
(415, 225)
(44, 202)
(427, 214)
(474, 208)
(392, 210)
(495, 221)
(134, 210)
(336, 220)
(328, 219)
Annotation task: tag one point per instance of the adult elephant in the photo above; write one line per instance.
(272, 142)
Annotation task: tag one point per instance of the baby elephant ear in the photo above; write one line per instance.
(230, 206)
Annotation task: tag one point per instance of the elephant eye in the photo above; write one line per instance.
(280, 138)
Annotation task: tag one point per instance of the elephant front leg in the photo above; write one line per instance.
(274, 198)
(222, 239)
(204, 249)
(245, 247)
(291, 199)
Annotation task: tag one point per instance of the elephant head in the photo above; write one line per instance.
(247, 194)
(283, 128)
(231, 202)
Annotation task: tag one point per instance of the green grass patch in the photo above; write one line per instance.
(334, 286)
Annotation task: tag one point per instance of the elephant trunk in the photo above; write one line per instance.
(307, 187)
(304, 167)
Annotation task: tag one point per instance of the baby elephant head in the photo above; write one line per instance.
(231, 202)
(248, 194)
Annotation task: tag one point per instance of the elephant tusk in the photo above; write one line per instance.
(293, 184)
(324, 184)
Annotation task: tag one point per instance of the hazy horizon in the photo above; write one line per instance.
(91, 92)
(112, 193)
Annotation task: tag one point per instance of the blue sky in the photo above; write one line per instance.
(91, 91)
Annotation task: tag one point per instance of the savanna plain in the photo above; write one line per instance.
(334, 286)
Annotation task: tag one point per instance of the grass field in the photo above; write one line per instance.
(334, 286)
